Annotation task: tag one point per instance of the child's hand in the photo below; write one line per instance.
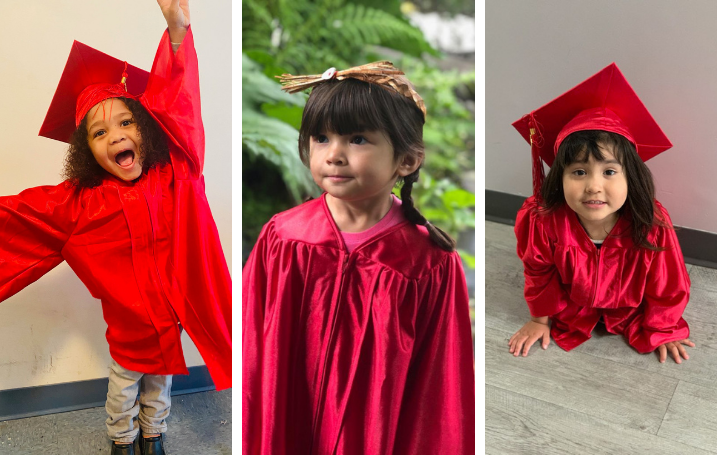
(176, 13)
(675, 349)
(527, 335)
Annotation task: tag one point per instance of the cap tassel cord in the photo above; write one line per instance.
(536, 141)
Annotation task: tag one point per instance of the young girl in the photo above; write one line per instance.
(356, 335)
(596, 245)
(133, 222)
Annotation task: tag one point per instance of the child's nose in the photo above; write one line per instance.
(594, 185)
(335, 153)
(117, 136)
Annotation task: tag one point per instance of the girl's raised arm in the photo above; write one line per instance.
(176, 13)
(172, 93)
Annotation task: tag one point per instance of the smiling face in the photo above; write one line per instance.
(355, 167)
(596, 190)
(114, 139)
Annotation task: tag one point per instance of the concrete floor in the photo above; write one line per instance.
(199, 423)
(602, 397)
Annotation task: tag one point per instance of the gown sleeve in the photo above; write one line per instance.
(438, 405)
(34, 227)
(667, 292)
(543, 290)
(172, 97)
(254, 281)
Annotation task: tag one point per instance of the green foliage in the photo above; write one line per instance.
(306, 37)
(267, 132)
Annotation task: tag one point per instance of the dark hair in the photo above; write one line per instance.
(352, 106)
(640, 204)
(82, 169)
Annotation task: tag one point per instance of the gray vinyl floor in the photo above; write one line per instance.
(199, 423)
(602, 397)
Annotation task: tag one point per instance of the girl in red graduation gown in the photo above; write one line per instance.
(132, 221)
(595, 244)
(357, 348)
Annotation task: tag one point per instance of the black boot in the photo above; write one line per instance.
(151, 446)
(123, 449)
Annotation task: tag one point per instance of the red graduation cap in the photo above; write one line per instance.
(90, 76)
(604, 101)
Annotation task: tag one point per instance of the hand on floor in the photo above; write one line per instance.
(527, 335)
(676, 349)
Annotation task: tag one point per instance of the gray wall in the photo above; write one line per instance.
(53, 330)
(536, 50)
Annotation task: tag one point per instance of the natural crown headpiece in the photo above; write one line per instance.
(382, 73)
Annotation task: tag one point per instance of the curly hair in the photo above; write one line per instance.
(82, 169)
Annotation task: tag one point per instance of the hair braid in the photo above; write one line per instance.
(443, 240)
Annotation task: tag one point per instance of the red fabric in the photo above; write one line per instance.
(361, 353)
(150, 251)
(639, 293)
(95, 93)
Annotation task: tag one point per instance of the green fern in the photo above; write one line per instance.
(271, 138)
(315, 35)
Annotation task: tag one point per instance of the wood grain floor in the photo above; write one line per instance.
(602, 397)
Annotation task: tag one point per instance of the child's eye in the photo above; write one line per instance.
(579, 172)
(98, 133)
(358, 140)
(321, 139)
(611, 172)
(126, 122)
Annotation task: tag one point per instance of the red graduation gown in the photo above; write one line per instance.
(639, 293)
(149, 250)
(361, 353)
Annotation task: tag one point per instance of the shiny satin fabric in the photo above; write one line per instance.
(361, 353)
(148, 250)
(639, 293)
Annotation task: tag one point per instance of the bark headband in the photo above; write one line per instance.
(381, 73)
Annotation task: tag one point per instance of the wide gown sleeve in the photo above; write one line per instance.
(34, 227)
(254, 282)
(172, 97)
(667, 292)
(438, 405)
(543, 290)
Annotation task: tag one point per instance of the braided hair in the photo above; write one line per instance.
(352, 106)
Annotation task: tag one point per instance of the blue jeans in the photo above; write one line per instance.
(126, 413)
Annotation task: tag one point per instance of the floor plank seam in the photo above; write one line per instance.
(668, 407)
(686, 444)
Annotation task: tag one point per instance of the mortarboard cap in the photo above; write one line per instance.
(90, 76)
(604, 101)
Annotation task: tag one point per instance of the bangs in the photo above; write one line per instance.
(578, 147)
(344, 107)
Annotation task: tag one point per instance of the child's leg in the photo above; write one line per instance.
(122, 406)
(154, 403)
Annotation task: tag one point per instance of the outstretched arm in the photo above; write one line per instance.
(176, 13)
(172, 93)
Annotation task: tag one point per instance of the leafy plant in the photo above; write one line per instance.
(306, 37)
(269, 121)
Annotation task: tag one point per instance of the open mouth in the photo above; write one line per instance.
(125, 159)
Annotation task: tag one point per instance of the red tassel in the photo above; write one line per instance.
(538, 171)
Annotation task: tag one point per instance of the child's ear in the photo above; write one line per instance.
(409, 164)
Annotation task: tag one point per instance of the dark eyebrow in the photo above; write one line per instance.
(612, 162)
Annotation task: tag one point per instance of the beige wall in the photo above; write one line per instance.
(53, 331)
(536, 50)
